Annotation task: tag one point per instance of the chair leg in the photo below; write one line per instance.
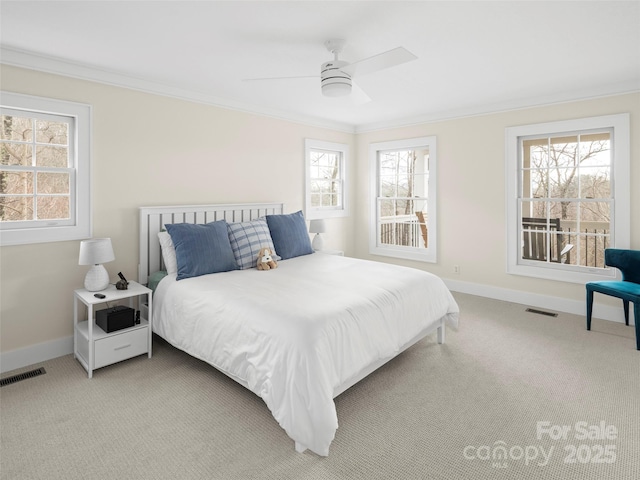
(625, 303)
(636, 316)
(589, 307)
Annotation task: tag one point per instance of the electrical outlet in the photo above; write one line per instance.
(456, 269)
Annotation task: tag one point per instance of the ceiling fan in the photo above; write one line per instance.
(336, 76)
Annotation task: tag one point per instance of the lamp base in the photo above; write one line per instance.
(317, 243)
(97, 279)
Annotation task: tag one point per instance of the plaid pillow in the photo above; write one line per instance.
(247, 238)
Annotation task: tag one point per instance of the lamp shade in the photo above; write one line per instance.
(317, 226)
(96, 251)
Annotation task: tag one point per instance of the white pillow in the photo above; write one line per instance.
(168, 252)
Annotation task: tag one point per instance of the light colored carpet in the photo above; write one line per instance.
(435, 412)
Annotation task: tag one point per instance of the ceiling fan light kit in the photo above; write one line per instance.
(334, 82)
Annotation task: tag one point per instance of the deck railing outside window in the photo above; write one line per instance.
(401, 230)
(567, 244)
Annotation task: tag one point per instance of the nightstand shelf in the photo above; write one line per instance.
(93, 347)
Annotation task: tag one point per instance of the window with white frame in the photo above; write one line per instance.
(44, 170)
(326, 185)
(403, 203)
(568, 197)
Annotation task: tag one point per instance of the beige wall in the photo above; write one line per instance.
(471, 192)
(225, 156)
(141, 158)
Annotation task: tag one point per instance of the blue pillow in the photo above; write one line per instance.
(201, 249)
(247, 238)
(289, 235)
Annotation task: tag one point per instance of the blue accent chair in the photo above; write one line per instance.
(628, 289)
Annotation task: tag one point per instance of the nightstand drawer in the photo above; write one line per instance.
(120, 347)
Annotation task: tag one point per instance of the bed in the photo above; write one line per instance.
(298, 335)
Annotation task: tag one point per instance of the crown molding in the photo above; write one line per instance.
(48, 64)
(610, 90)
(58, 66)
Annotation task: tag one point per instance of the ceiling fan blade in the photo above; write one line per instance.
(278, 78)
(378, 62)
(358, 96)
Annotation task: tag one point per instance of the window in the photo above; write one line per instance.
(44, 170)
(568, 197)
(326, 186)
(403, 207)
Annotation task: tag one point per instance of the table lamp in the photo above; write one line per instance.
(95, 252)
(317, 227)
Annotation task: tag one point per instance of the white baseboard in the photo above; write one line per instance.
(41, 352)
(576, 307)
(23, 357)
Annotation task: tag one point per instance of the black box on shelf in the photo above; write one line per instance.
(116, 318)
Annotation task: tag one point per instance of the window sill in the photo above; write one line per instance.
(581, 276)
(424, 256)
(43, 235)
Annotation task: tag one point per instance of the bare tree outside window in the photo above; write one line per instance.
(403, 191)
(326, 184)
(35, 175)
(566, 197)
(403, 210)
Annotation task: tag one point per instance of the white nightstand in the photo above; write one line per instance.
(328, 251)
(92, 346)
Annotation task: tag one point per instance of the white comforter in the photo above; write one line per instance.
(294, 334)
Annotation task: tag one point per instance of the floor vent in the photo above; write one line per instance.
(22, 376)
(541, 312)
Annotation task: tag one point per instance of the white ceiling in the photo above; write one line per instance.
(473, 57)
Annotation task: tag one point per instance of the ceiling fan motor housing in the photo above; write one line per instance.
(335, 82)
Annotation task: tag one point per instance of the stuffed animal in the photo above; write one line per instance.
(265, 260)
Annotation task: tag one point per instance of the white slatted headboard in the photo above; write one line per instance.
(153, 220)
